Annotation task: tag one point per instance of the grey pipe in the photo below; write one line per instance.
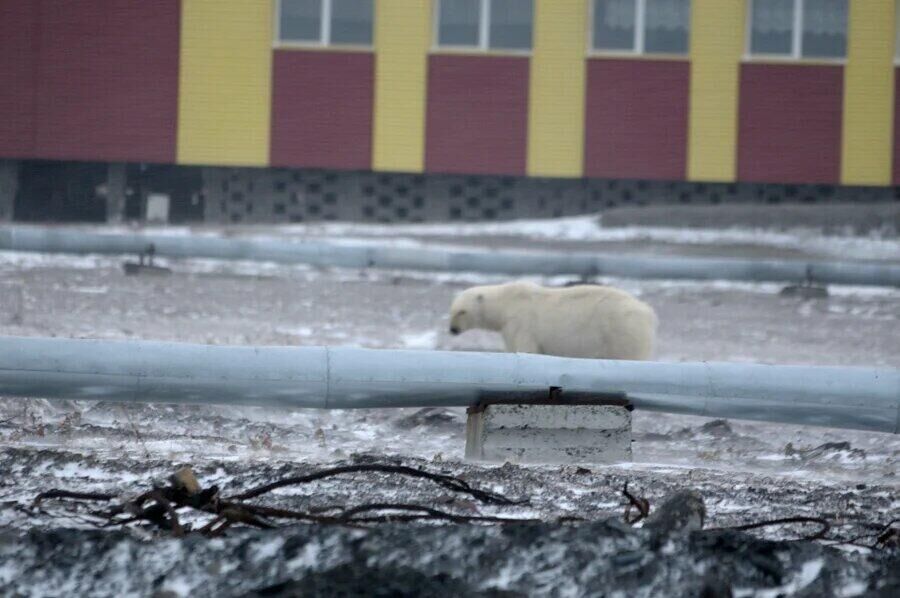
(344, 378)
(38, 239)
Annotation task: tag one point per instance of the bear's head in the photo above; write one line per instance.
(465, 311)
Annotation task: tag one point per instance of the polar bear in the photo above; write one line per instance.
(589, 321)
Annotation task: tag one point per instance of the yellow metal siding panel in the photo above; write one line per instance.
(717, 43)
(557, 88)
(224, 105)
(402, 39)
(869, 94)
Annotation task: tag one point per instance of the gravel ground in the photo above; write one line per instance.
(746, 471)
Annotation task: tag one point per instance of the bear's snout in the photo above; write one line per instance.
(454, 330)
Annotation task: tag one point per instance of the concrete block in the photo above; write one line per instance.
(547, 433)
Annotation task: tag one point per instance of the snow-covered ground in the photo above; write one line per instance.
(746, 470)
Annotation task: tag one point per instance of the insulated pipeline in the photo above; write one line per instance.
(349, 378)
(53, 240)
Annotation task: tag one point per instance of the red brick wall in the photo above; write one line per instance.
(18, 59)
(477, 115)
(790, 123)
(107, 80)
(636, 119)
(322, 109)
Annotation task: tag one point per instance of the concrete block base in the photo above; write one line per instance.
(549, 433)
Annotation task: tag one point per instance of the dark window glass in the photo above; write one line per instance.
(824, 29)
(614, 24)
(511, 24)
(458, 22)
(666, 26)
(351, 22)
(772, 27)
(300, 20)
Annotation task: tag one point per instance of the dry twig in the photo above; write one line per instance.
(56, 493)
(824, 528)
(640, 503)
(880, 536)
(449, 482)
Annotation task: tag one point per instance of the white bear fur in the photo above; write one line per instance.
(588, 321)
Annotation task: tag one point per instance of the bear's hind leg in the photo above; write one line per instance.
(520, 342)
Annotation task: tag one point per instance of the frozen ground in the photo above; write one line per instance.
(746, 471)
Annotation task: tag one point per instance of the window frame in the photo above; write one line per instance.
(896, 33)
(796, 54)
(484, 33)
(638, 48)
(324, 41)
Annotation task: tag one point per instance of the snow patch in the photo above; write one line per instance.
(808, 573)
(267, 550)
(854, 588)
(179, 586)
(300, 331)
(307, 558)
(419, 340)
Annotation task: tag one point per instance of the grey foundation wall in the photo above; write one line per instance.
(59, 191)
(117, 183)
(249, 195)
(9, 186)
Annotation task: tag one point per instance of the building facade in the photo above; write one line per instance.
(410, 110)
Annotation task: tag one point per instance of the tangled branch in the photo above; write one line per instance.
(56, 493)
(884, 536)
(160, 506)
(163, 508)
(879, 536)
(824, 526)
(449, 482)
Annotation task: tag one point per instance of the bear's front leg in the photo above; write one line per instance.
(519, 341)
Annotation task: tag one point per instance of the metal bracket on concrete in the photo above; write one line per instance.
(806, 289)
(145, 263)
(559, 427)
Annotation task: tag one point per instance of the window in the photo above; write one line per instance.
(485, 24)
(325, 22)
(798, 28)
(897, 32)
(641, 26)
